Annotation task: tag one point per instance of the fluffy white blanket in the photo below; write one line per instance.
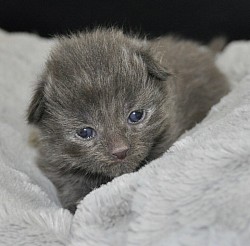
(198, 193)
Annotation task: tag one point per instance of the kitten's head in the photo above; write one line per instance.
(100, 103)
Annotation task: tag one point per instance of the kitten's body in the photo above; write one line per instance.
(96, 80)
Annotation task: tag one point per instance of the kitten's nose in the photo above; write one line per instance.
(121, 152)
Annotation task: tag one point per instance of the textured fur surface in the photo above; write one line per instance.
(96, 80)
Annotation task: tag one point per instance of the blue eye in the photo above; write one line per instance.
(86, 133)
(136, 116)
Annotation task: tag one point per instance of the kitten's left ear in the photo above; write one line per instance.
(37, 105)
(155, 69)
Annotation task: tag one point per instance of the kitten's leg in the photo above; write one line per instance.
(71, 190)
(72, 186)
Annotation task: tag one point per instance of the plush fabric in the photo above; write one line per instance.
(198, 193)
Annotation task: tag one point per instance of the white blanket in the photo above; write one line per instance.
(198, 193)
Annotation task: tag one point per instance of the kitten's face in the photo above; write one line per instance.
(102, 108)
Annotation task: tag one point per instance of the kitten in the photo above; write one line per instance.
(108, 103)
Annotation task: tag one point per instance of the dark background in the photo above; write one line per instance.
(196, 19)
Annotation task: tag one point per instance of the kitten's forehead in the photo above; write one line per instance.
(99, 54)
(98, 72)
(99, 64)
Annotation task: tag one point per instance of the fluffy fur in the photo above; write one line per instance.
(96, 79)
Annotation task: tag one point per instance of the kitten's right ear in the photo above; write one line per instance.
(153, 66)
(37, 105)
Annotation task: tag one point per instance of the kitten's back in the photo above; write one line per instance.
(199, 83)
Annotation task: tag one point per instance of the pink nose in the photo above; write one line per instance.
(120, 153)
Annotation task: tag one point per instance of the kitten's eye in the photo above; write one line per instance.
(136, 116)
(86, 133)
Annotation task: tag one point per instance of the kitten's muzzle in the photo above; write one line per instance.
(118, 148)
(120, 153)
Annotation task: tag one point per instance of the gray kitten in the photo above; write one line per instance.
(108, 103)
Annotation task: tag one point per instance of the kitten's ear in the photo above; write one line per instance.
(155, 69)
(37, 105)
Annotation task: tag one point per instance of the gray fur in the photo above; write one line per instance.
(96, 79)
